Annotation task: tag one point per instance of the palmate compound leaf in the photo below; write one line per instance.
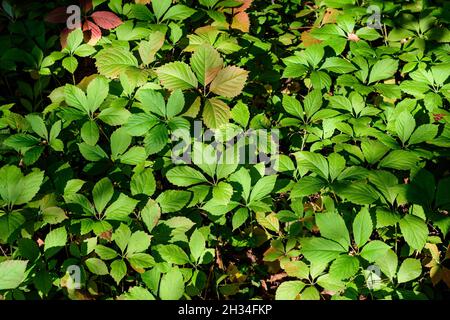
(229, 82)
(177, 75)
(206, 63)
(111, 62)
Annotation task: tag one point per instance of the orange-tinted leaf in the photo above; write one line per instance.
(446, 276)
(330, 16)
(245, 5)
(142, 1)
(229, 82)
(106, 20)
(92, 33)
(241, 21)
(63, 37)
(308, 40)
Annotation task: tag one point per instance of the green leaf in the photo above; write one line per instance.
(424, 133)
(197, 244)
(332, 226)
(152, 101)
(148, 49)
(121, 208)
(383, 69)
(314, 162)
(400, 160)
(312, 102)
(320, 250)
(175, 104)
(239, 218)
(206, 63)
(344, 267)
(172, 285)
(338, 65)
(388, 264)
(262, 188)
(92, 153)
(160, 7)
(111, 62)
(289, 290)
(38, 125)
(173, 254)
(97, 91)
(143, 183)
(55, 241)
(102, 193)
(114, 116)
(20, 140)
(216, 113)
(105, 253)
(374, 250)
(139, 242)
(9, 224)
(223, 192)
(74, 39)
(53, 215)
(177, 75)
(139, 124)
(90, 133)
(173, 200)
(357, 192)
(141, 261)
(362, 227)
(185, 176)
(96, 266)
(229, 82)
(150, 214)
(12, 274)
(156, 139)
(414, 230)
(409, 270)
(120, 141)
(404, 126)
(178, 12)
(75, 97)
(122, 236)
(118, 270)
(292, 106)
(240, 114)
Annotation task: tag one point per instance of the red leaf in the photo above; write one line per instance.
(92, 32)
(106, 20)
(59, 15)
(86, 5)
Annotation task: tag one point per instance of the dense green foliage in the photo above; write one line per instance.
(93, 204)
